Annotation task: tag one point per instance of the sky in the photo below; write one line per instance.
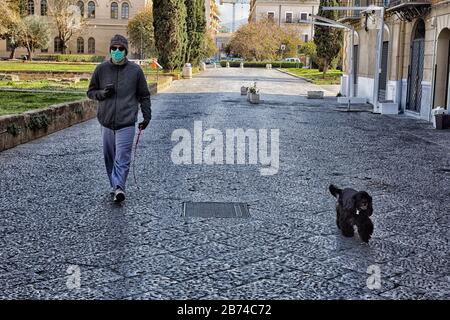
(226, 11)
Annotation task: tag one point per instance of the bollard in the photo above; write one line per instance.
(242, 65)
(187, 71)
(228, 64)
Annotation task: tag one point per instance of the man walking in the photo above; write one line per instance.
(120, 86)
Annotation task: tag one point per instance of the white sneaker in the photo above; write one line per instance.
(119, 195)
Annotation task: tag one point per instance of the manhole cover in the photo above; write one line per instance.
(216, 209)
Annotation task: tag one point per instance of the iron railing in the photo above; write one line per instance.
(394, 3)
(345, 15)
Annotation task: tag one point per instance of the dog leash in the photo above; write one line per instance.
(134, 160)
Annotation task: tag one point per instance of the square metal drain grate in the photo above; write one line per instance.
(216, 209)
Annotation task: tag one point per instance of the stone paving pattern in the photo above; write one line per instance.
(56, 210)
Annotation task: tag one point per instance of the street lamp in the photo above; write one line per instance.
(379, 47)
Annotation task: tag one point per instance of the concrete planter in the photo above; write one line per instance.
(353, 100)
(388, 108)
(315, 94)
(442, 121)
(253, 98)
(244, 91)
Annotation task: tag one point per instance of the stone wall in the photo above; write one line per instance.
(21, 128)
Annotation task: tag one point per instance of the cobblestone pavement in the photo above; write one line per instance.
(56, 211)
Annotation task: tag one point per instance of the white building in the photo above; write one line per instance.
(286, 13)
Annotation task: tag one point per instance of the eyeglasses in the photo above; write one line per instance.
(117, 48)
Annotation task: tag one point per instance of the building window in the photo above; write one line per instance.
(271, 16)
(44, 50)
(288, 17)
(44, 7)
(114, 10)
(80, 45)
(303, 16)
(305, 37)
(91, 9)
(58, 45)
(125, 10)
(80, 5)
(30, 7)
(91, 46)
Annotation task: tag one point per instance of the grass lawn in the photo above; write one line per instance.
(332, 77)
(52, 85)
(44, 66)
(45, 85)
(18, 102)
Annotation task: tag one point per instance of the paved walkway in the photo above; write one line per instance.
(56, 212)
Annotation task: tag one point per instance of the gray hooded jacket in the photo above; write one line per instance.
(130, 89)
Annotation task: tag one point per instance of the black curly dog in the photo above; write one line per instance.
(353, 208)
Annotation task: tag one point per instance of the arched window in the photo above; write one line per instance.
(80, 45)
(419, 32)
(91, 46)
(91, 9)
(114, 10)
(80, 5)
(58, 45)
(44, 7)
(30, 7)
(125, 10)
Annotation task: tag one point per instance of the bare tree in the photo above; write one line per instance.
(67, 18)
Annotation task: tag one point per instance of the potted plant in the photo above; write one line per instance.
(253, 94)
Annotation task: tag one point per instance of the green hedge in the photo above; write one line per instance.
(262, 64)
(69, 57)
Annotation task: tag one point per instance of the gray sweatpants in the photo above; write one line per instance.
(117, 149)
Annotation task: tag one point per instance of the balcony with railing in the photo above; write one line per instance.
(350, 16)
(407, 10)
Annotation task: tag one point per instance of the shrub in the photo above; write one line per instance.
(38, 122)
(262, 64)
(13, 129)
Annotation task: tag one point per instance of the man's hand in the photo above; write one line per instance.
(109, 90)
(143, 125)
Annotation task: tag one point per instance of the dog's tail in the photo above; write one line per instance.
(335, 191)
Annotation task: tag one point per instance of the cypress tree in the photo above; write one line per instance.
(196, 30)
(328, 40)
(169, 22)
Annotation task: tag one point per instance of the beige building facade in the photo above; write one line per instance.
(286, 13)
(415, 61)
(104, 18)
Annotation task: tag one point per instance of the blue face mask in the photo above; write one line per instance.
(117, 55)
